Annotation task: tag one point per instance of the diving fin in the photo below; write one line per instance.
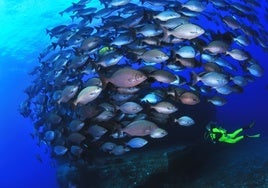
(253, 136)
(249, 126)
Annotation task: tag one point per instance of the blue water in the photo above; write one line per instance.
(23, 36)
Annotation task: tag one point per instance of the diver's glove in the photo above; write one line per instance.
(249, 126)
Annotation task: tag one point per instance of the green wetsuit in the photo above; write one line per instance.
(220, 135)
(231, 137)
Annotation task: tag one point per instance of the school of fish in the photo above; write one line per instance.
(116, 74)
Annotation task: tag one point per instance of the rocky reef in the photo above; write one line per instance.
(130, 170)
(193, 166)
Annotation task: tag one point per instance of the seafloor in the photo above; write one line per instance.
(243, 165)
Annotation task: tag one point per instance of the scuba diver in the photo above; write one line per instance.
(218, 134)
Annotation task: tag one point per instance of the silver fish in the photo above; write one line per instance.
(119, 150)
(164, 107)
(137, 142)
(96, 131)
(140, 128)
(76, 125)
(126, 77)
(212, 79)
(238, 54)
(256, 70)
(60, 150)
(107, 146)
(154, 56)
(185, 121)
(87, 95)
(130, 108)
(186, 52)
(186, 31)
(76, 138)
(68, 93)
(167, 15)
(218, 101)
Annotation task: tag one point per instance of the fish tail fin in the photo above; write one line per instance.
(59, 101)
(39, 58)
(126, 144)
(195, 78)
(133, 32)
(166, 33)
(54, 44)
(203, 49)
(47, 31)
(134, 57)
(177, 82)
(104, 81)
(78, 51)
(75, 103)
(72, 17)
(173, 54)
(116, 107)
(74, 4)
(95, 139)
(182, 80)
(105, 5)
(144, 101)
(147, 106)
(176, 95)
(244, 66)
(97, 28)
(147, 15)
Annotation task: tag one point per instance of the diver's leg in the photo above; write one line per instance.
(235, 133)
(237, 139)
(234, 140)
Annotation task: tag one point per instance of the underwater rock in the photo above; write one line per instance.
(66, 174)
(117, 172)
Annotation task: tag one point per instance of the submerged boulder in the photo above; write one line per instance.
(129, 171)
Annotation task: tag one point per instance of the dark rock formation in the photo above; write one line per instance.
(130, 170)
